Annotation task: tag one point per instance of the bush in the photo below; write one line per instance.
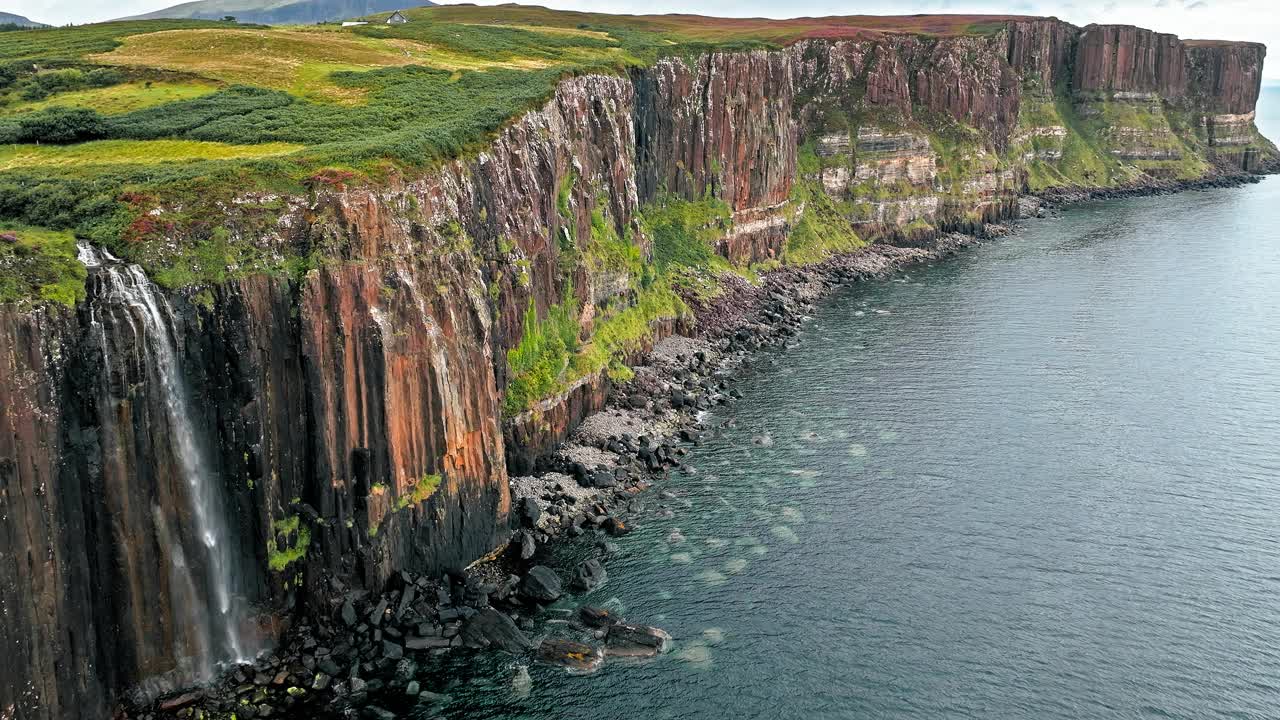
(59, 126)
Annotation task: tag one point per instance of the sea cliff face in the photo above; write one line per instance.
(356, 418)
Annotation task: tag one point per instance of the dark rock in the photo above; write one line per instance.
(427, 643)
(491, 628)
(569, 654)
(636, 640)
(595, 617)
(406, 599)
(528, 546)
(589, 575)
(373, 712)
(180, 701)
(391, 651)
(541, 584)
(615, 527)
(379, 611)
(603, 479)
(530, 512)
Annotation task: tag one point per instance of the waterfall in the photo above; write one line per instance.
(125, 291)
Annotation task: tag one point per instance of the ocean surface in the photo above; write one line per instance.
(1039, 481)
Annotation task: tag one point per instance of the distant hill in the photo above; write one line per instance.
(11, 19)
(280, 12)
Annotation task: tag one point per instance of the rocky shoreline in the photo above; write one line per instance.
(360, 659)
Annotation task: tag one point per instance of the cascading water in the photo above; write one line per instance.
(215, 608)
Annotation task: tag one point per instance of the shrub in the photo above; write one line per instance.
(60, 126)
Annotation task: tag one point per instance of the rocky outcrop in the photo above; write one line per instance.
(1041, 52)
(1225, 78)
(1111, 58)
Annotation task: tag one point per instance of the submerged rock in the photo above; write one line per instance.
(590, 575)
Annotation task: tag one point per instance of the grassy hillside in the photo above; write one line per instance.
(280, 12)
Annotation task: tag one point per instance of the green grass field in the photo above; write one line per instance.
(132, 152)
(118, 99)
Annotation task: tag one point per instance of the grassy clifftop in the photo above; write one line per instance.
(100, 124)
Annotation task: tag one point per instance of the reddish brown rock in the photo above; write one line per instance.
(1125, 58)
(1225, 78)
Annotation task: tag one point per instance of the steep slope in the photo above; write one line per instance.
(363, 357)
(280, 12)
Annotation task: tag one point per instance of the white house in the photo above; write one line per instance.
(397, 18)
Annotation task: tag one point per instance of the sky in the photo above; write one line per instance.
(1256, 20)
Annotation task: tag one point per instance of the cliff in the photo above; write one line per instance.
(360, 415)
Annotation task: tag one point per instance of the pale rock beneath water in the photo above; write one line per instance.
(522, 682)
(764, 440)
(784, 533)
(735, 566)
(792, 515)
(666, 595)
(858, 450)
(712, 577)
(681, 558)
(888, 435)
(713, 636)
(695, 653)
(715, 542)
(676, 537)
(760, 550)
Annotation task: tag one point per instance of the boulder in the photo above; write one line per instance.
(541, 584)
(427, 643)
(589, 575)
(530, 512)
(595, 617)
(493, 629)
(180, 701)
(575, 656)
(391, 651)
(636, 640)
(528, 546)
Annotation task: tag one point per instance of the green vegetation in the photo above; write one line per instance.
(37, 263)
(551, 356)
(279, 558)
(118, 99)
(824, 228)
(131, 152)
(537, 365)
(684, 232)
(423, 489)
